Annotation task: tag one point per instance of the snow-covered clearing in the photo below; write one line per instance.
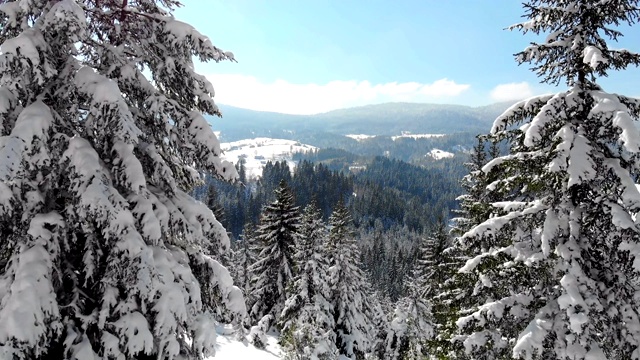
(416, 136)
(440, 154)
(360, 137)
(258, 151)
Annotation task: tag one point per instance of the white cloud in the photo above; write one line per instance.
(282, 96)
(511, 91)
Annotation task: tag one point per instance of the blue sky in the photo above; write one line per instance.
(309, 56)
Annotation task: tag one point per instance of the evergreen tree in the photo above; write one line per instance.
(558, 260)
(273, 174)
(379, 307)
(427, 276)
(273, 271)
(410, 328)
(213, 203)
(244, 257)
(455, 294)
(470, 213)
(242, 170)
(413, 324)
(348, 288)
(102, 248)
(456, 291)
(307, 319)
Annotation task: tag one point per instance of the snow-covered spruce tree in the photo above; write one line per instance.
(427, 274)
(412, 324)
(348, 288)
(455, 292)
(244, 255)
(212, 202)
(273, 271)
(101, 249)
(307, 320)
(410, 328)
(377, 308)
(380, 309)
(471, 202)
(558, 262)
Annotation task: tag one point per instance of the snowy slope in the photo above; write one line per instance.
(258, 151)
(440, 154)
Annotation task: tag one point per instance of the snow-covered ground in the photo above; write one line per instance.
(360, 137)
(229, 348)
(440, 154)
(416, 136)
(260, 150)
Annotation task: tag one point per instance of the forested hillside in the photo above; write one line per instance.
(390, 191)
(408, 149)
(383, 119)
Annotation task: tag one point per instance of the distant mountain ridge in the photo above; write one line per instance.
(379, 119)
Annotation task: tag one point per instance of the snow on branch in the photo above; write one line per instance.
(108, 105)
(133, 329)
(186, 221)
(22, 53)
(98, 199)
(221, 279)
(513, 305)
(207, 147)
(611, 106)
(630, 196)
(31, 300)
(66, 17)
(521, 110)
(593, 57)
(31, 127)
(531, 340)
(182, 33)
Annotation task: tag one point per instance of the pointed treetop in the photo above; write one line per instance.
(312, 214)
(340, 223)
(284, 198)
(575, 49)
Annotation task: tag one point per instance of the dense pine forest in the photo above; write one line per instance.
(392, 205)
(125, 233)
(391, 191)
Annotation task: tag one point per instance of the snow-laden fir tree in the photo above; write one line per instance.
(380, 309)
(307, 319)
(244, 255)
(212, 202)
(455, 292)
(558, 261)
(273, 272)
(410, 328)
(348, 288)
(412, 325)
(101, 135)
(427, 275)
(472, 207)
